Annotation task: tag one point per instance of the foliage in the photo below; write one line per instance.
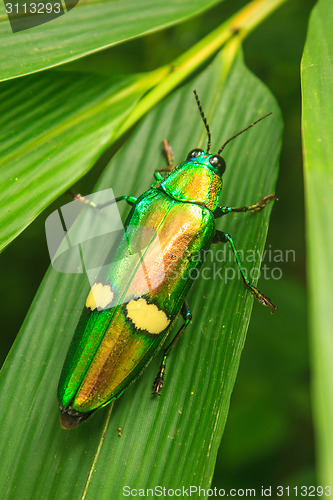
(59, 124)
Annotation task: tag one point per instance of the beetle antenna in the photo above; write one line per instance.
(203, 119)
(244, 130)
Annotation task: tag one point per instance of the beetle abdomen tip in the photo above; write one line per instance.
(70, 418)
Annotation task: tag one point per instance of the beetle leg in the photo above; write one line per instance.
(221, 237)
(168, 153)
(219, 211)
(130, 200)
(170, 157)
(158, 176)
(187, 316)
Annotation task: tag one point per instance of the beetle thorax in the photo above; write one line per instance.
(194, 183)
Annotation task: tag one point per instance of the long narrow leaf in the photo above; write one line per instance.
(171, 441)
(55, 126)
(88, 27)
(317, 99)
(52, 118)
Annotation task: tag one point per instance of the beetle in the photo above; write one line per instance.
(124, 321)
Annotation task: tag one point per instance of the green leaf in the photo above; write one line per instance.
(88, 27)
(55, 127)
(317, 82)
(171, 441)
(58, 124)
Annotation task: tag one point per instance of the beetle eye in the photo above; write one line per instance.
(194, 154)
(218, 162)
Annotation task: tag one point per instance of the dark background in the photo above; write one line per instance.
(269, 433)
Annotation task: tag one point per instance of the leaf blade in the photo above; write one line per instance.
(75, 34)
(51, 144)
(317, 121)
(159, 437)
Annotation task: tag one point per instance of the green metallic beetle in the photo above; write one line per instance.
(123, 323)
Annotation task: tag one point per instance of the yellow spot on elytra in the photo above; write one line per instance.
(99, 296)
(147, 316)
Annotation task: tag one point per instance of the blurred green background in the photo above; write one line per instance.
(269, 435)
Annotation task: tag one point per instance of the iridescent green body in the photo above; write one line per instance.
(111, 346)
(134, 301)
